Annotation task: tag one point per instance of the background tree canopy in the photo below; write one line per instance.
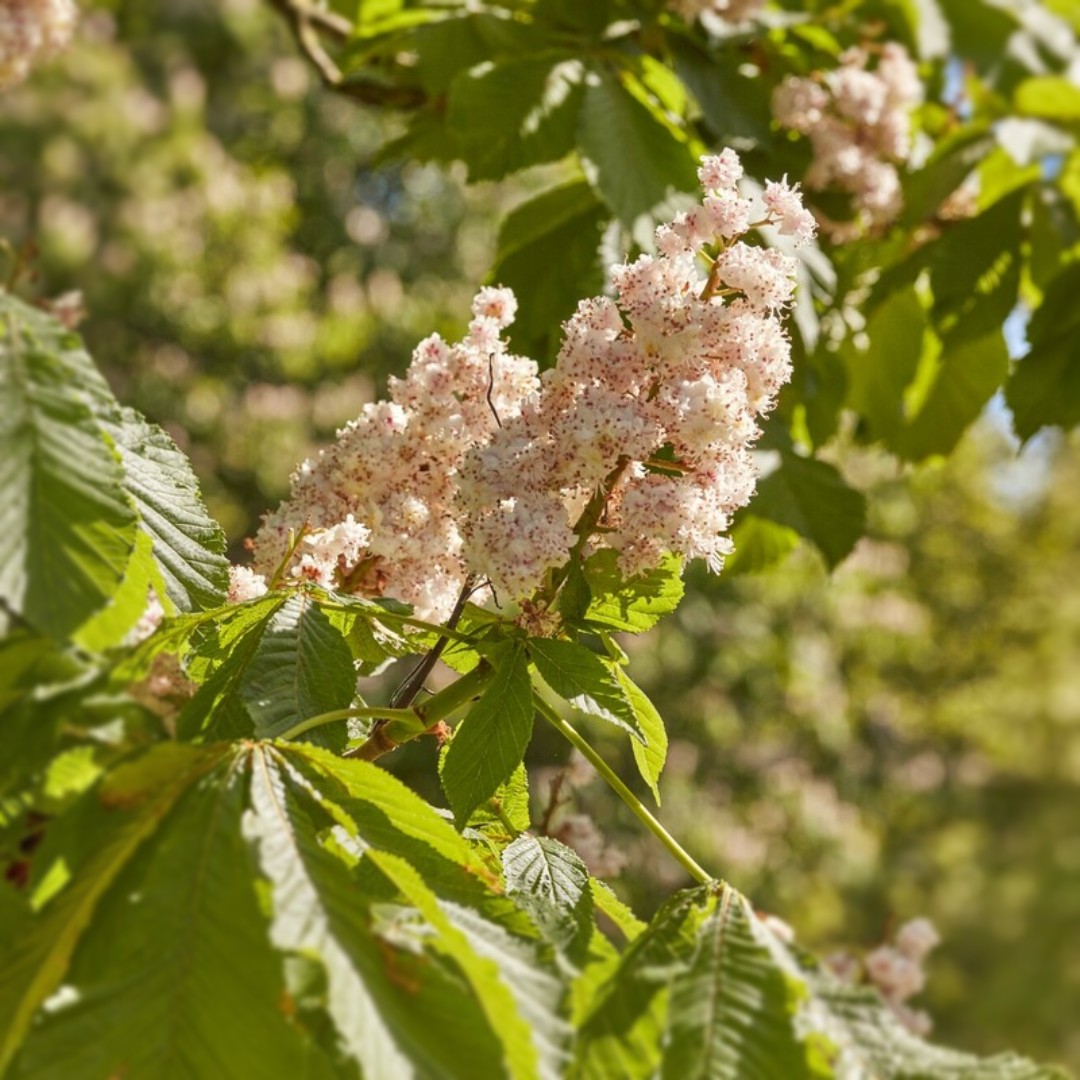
(873, 711)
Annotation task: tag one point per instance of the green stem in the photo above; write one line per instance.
(637, 807)
(501, 814)
(375, 713)
(421, 718)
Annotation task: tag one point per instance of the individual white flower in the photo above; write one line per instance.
(245, 584)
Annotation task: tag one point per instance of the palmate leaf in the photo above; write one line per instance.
(67, 525)
(385, 1029)
(709, 992)
(175, 976)
(171, 894)
(731, 1008)
(37, 955)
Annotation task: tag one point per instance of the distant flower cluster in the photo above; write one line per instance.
(730, 10)
(638, 439)
(896, 970)
(31, 32)
(858, 121)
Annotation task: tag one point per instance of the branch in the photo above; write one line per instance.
(305, 22)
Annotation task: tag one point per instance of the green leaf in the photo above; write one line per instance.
(482, 973)
(69, 530)
(632, 604)
(616, 128)
(1049, 97)
(759, 544)
(114, 821)
(607, 903)
(449, 46)
(491, 740)
(879, 375)
(302, 667)
(510, 115)
(1045, 384)
(837, 1018)
(812, 498)
(188, 545)
(955, 386)
(585, 681)
(385, 812)
(175, 976)
(951, 162)
(651, 756)
(550, 881)
(621, 1034)
(224, 650)
(396, 1014)
(560, 226)
(975, 271)
(109, 626)
(731, 1011)
(572, 15)
(736, 107)
(512, 800)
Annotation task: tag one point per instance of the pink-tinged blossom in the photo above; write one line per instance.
(479, 466)
(245, 584)
(858, 120)
(32, 32)
(721, 172)
(785, 202)
(377, 508)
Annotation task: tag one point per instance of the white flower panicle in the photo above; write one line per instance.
(638, 439)
(858, 121)
(31, 32)
(653, 402)
(375, 513)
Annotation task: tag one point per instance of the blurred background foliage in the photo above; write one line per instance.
(899, 738)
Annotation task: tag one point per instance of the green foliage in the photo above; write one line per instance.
(69, 528)
(588, 683)
(185, 896)
(301, 668)
(812, 498)
(490, 744)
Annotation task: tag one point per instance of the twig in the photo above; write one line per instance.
(305, 22)
(406, 693)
